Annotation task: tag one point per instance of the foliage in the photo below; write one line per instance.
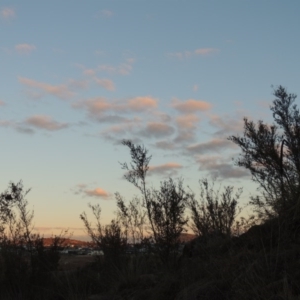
(168, 206)
(132, 217)
(26, 264)
(136, 174)
(165, 207)
(12, 198)
(272, 154)
(110, 238)
(215, 212)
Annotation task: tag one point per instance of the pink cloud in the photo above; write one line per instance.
(7, 13)
(187, 121)
(45, 122)
(105, 83)
(2, 103)
(191, 106)
(25, 48)
(97, 106)
(195, 88)
(61, 91)
(6, 123)
(205, 51)
(142, 103)
(97, 192)
(89, 72)
(94, 106)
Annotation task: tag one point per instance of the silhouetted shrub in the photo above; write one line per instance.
(272, 154)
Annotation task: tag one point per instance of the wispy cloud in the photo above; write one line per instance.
(25, 130)
(205, 51)
(187, 53)
(106, 13)
(77, 84)
(19, 127)
(45, 122)
(188, 121)
(105, 83)
(2, 103)
(7, 13)
(168, 169)
(219, 166)
(227, 125)
(157, 130)
(215, 145)
(195, 88)
(97, 106)
(180, 55)
(184, 137)
(84, 190)
(25, 48)
(6, 123)
(122, 69)
(190, 106)
(39, 89)
(89, 72)
(97, 192)
(165, 145)
(142, 103)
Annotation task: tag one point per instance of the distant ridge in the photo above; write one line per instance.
(184, 237)
(68, 242)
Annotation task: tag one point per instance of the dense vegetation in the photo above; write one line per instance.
(231, 258)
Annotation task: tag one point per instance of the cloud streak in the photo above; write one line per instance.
(218, 166)
(97, 192)
(106, 13)
(122, 69)
(7, 13)
(214, 145)
(82, 189)
(45, 122)
(157, 130)
(96, 107)
(190, 106)
(205, 51)
(25, 48)
(105, 83)
(198, 52)
(168, 169)
(39, 89)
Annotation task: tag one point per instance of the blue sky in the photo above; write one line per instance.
(177, 76)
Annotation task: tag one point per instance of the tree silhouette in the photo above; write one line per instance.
(165, 206)
(272, 154)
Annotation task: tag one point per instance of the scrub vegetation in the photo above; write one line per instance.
(144, 255)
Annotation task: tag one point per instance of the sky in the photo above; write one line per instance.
(176, 76)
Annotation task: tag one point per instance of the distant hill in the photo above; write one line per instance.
(69, 242)
(185, 237)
